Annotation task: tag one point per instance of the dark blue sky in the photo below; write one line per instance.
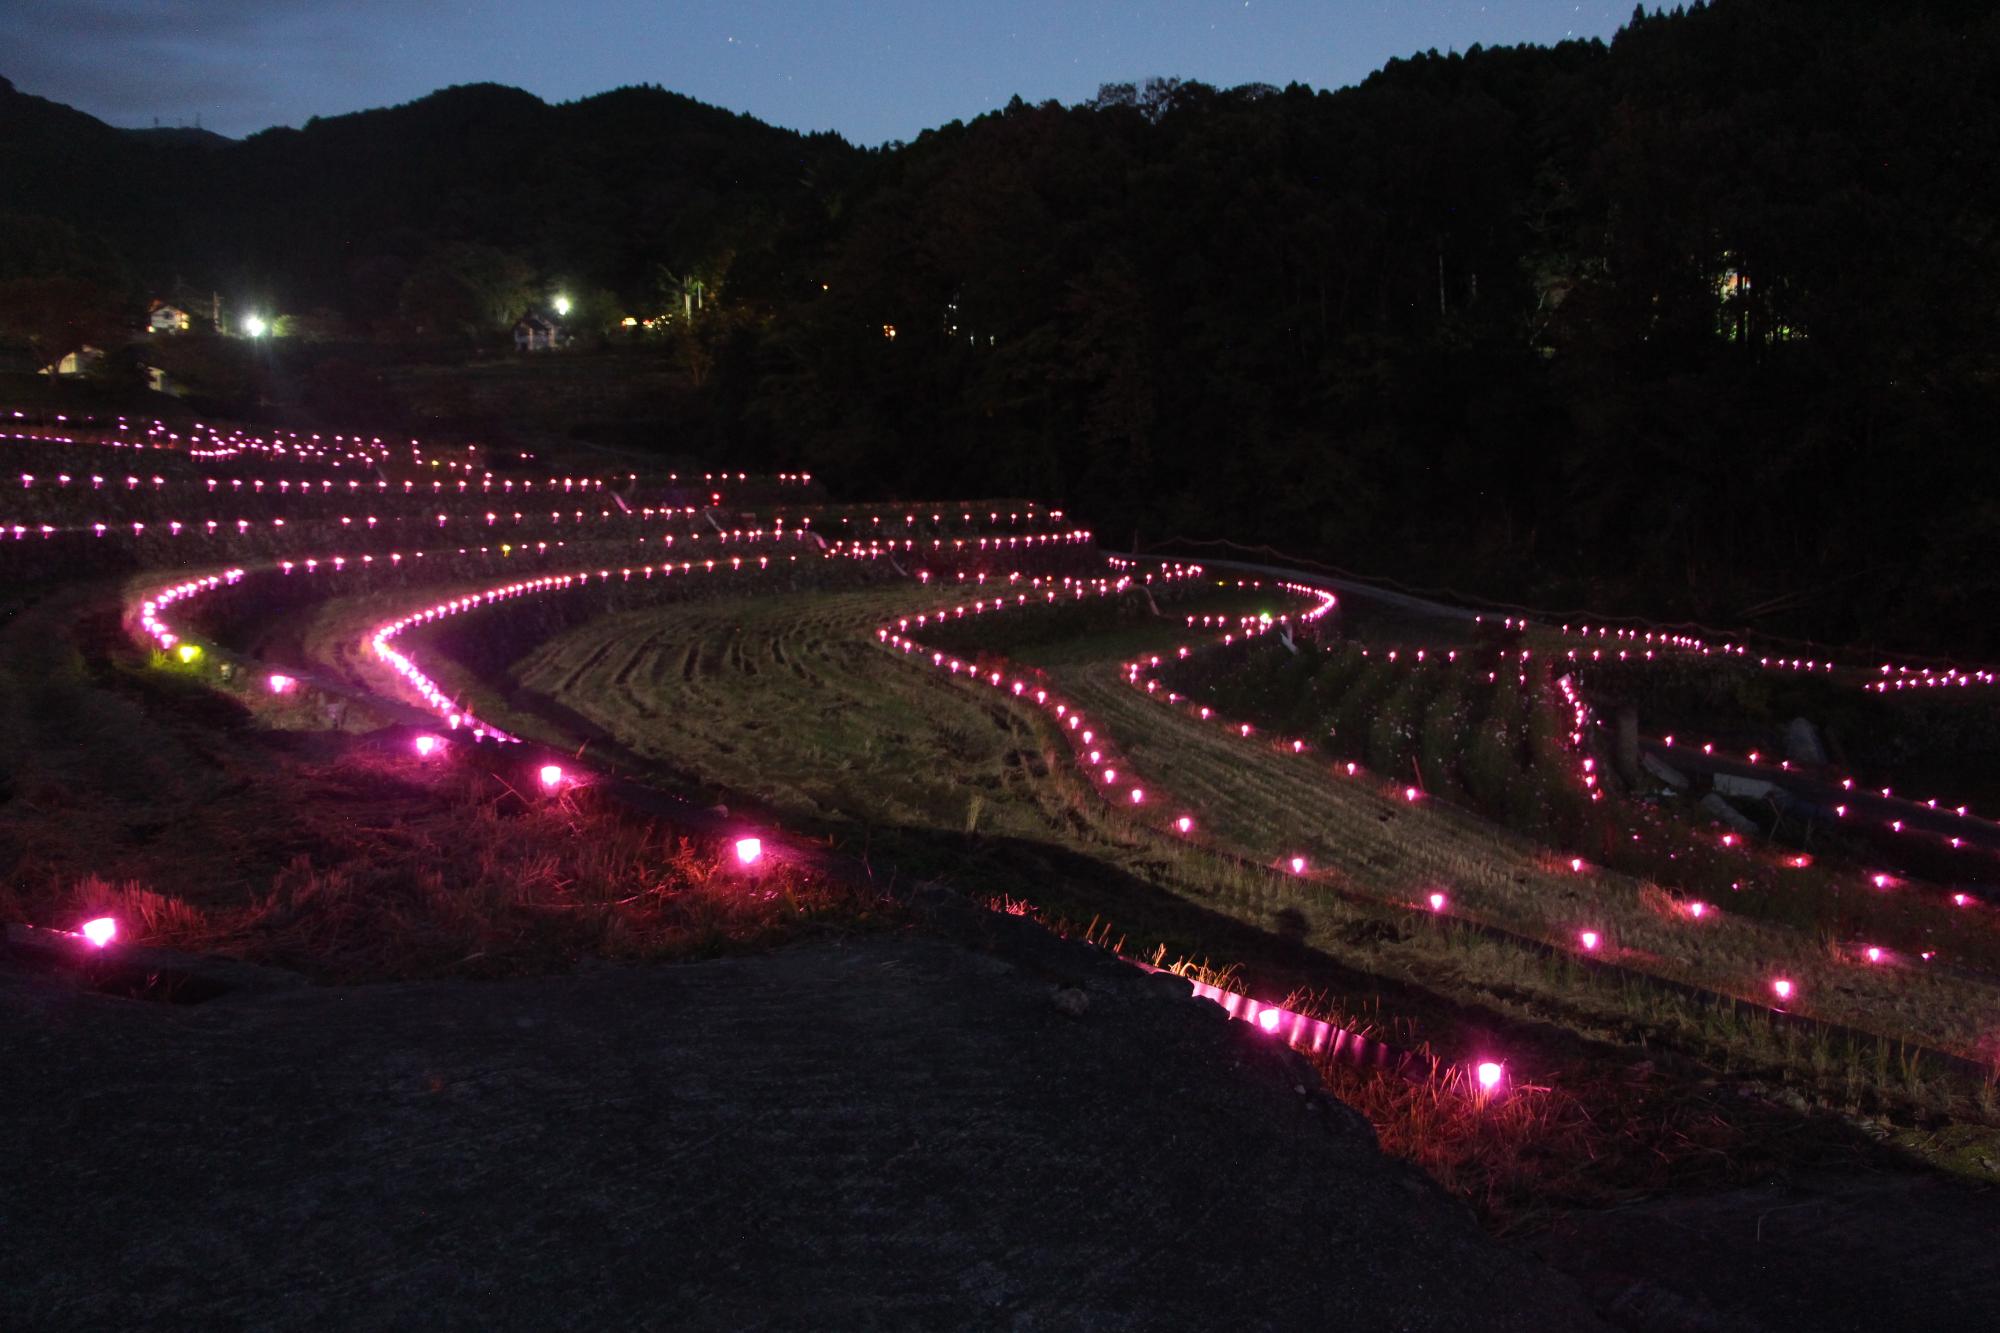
(872, 71)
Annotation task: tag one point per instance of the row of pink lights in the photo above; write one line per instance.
(209, 527)
(324, 485)
(1901, 676)
(1092, 749)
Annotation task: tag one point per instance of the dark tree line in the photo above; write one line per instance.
(1700, 323)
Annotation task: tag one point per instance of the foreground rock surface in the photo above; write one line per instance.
(882, 1133)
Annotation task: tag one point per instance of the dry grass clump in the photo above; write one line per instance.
(1541, 1149)
(485, 885)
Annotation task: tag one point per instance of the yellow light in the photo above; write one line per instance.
(188, 653)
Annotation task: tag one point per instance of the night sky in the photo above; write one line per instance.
(872, 71)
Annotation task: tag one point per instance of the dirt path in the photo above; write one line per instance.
(882, 1133)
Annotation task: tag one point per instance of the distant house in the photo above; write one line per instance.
(532, 333)
(165, 318)
(79, 362)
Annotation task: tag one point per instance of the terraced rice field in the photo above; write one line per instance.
(725, 652)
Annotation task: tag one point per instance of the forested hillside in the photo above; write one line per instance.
(1698, 323)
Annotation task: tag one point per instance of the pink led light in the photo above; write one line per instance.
(1437, 902)
(1411, 793)
(749, 851)
(1697, 910)
(100, 931)
(1874, 954)
(1576, 864)
(1588, 939)
(1184, 825)
(1961, 899)
(1298, 864)
(1782, 988)
(552, 776)
(1489, 1074)
(426, 746)
(280, 684)
(1138, 796)
(1269, 1019)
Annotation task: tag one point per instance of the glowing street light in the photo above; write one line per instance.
(562, 305)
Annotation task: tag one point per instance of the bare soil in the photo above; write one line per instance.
(878, 1133)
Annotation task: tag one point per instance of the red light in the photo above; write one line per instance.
(1184, 825)
(1588, 939)
(1411, 793)
(1782, 989)
(1437, 902)
(1489, 1074)
(749, 851)
(1298, 864)
(100, 931)
(552, 776)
